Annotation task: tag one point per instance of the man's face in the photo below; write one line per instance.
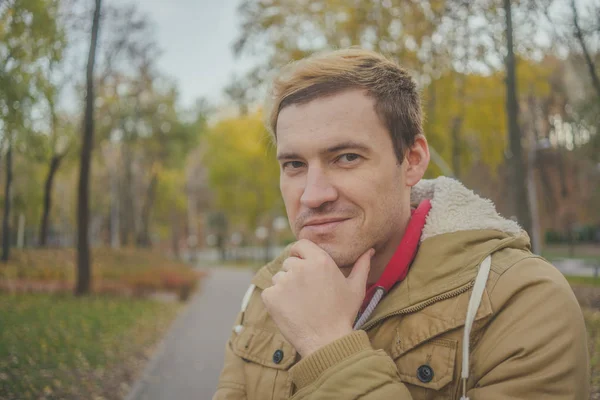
(340, 179)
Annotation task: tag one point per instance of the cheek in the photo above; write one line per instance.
(381, 196)
(291, 195)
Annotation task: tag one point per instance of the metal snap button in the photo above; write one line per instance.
(277, 356)
(425, 373)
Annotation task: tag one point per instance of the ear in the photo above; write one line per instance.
(417, 160)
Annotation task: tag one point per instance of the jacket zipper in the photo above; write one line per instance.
(422, 305)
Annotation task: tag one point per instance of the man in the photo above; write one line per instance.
(381, 300)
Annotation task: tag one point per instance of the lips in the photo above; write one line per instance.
(324, 221)
(325, 225)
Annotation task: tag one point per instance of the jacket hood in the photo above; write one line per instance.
(460, 231)
(455, 208)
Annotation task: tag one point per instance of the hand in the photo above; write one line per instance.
(311, 301)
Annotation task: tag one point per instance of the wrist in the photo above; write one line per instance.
(317, 342)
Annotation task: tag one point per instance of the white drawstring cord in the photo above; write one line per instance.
(239, 328)
(474, 302)
(379, 292)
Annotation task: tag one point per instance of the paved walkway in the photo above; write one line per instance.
(188, 363)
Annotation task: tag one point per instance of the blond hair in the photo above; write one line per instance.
(397, 100)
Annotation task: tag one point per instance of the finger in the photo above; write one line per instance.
(290, 262)
(360, 272)
(305, 249)
(266, 297)
(278, 277)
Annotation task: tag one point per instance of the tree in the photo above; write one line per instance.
(242, 170)
(7, 204)
(83, 247)
(581, 34)
(59, 141)
(145, 134)
(518, 182)
(29, 39)
(431, 38)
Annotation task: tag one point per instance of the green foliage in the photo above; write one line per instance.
(170, 199)
(480, 104)
(242, 169)
(30, 37)
(62, 347)
(583, 234)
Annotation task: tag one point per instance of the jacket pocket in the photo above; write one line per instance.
(429, 368)
(267, 357)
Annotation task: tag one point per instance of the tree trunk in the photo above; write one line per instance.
(7, 205)
(175, 235)
(456, 144)
(520, 198)
(115, 242)
(588, 59)
(143, 239)
(128, 217)
(192, 214)
(536, 243)
(83, 212)
(54, 164)
(457, 123)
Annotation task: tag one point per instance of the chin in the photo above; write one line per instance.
(342, 250)
(343, 256)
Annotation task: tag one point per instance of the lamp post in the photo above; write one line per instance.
(236, 240)
(279, 225)
(262, 234)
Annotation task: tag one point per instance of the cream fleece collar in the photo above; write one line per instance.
(455, 208)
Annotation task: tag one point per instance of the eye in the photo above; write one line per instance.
(292, 165)
(348, 158)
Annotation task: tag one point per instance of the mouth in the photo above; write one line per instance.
(324, 225)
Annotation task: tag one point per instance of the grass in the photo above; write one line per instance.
(61, 347)
(587, 291)
(592, 322)
(583, 281)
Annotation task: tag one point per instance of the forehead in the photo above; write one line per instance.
(325, 121)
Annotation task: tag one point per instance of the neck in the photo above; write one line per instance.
(385, 252)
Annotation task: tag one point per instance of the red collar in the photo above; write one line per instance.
(397, 269)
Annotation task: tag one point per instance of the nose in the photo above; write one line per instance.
(318, 189)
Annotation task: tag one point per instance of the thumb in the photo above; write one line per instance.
(360, 271)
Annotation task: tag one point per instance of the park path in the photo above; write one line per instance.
(187, 364)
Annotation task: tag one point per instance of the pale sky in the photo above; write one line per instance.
(196, 37)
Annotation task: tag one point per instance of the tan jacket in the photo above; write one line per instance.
(528, 340)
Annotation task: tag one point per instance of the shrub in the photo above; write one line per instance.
(124, 272)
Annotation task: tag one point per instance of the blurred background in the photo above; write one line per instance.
(134, 163)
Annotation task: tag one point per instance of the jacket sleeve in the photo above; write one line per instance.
(232, 385)
(348, 368)
(536, 345)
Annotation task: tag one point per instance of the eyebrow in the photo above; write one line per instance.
(349, 145)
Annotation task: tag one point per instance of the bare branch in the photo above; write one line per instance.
(588, 59)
